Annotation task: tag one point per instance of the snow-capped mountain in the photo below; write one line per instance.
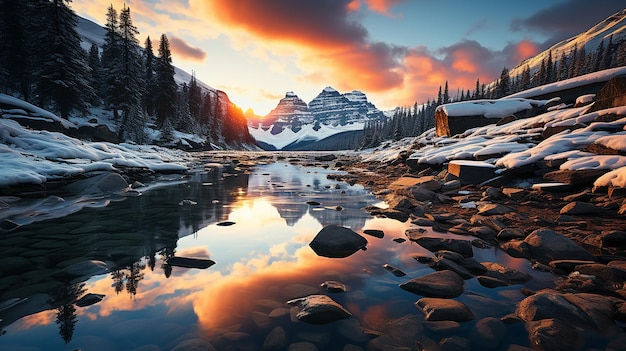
(612, 29)
(293, 121)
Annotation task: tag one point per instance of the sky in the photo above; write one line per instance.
(398, 52)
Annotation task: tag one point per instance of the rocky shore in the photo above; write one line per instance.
(575, 232)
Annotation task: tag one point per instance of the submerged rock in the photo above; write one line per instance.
(89, 299)
(337, 242)
(319, 309)
(546, 245)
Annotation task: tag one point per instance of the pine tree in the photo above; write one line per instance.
(503, 88)
(439, 97)
(133, 119)
(112, 63)
(15, 51)
(524, 82)
(605, 61)
(166, 86)
(573, 55)
(446, 95)
(62, 79)
(563, 69)
(549, 69)
(96, 72)
(150, 84)
(194, 98)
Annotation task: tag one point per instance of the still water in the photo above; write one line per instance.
(116, 247)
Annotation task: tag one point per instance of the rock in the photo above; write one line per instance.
(436, 309)
(187, 262)
(471, 172)
(302, 346)
(225, 224)
(421, 194)
(318, 309)
(582, 176)
(506, 274)
(427, 182)
(89, 299)
(515, 193)
(442, 327)
(442, 264)
(492, 193)
(490, 282)
(313, 203)
(195, 343)
(276, 340)
(510, 233)
(484, 232)
(607, 273)
(86, 268)
(337, 242)
(333, 286)
(616, 238)
(394, 270)
(463, 247)
(581, 208)
(375, 233)
(106, 183)
(545, 245)
(493, 209)
(415, 233)
(186, 203)
(454, 343)
(395, 214)
(487, 334)
(580, 310)
(444, 284)
(567, 266)
(466, 262)
(553, 335)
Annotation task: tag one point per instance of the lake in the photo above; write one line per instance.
(255, 226)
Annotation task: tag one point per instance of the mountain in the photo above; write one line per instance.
(612, 29)
(296, 124)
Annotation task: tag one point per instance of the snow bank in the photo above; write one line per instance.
(29, 110)
(615, 178)
(489, 108)
(33, 157)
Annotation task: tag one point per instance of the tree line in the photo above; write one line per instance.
(42, 62)
(415, 120)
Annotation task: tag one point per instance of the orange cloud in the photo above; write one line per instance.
(185, 51)
(382, 6)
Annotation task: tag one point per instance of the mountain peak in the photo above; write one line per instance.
(290, 94)
(330, 89)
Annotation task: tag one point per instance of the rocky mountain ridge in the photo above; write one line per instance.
(329, 107)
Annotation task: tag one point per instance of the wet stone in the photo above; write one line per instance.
(337, 242)
(491, 282)
(444, 284)
(436, 309)
(463, 247)
(506, 274)
(442, 327)
(394, 270)
(375, 233)
(334, 286)
(319, 309)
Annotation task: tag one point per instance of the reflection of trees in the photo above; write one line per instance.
(66, 312)
(129, 278)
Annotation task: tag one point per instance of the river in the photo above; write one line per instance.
(256, 227)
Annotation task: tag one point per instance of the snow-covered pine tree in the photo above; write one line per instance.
(111, 63)
(133, 117)
(166, 85)
(62, 78)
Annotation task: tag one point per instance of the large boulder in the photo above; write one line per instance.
(337, 242)
(545, 245)
(318, 309)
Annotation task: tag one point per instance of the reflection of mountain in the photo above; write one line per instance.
(290, 188)
(42, 258)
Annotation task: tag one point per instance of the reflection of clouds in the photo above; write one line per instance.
(37, 319)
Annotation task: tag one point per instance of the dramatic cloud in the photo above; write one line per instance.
(557, 19)
(185, 51)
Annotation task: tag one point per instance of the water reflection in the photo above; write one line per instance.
(261, 261)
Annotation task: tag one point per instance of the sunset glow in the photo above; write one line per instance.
(396, 51)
